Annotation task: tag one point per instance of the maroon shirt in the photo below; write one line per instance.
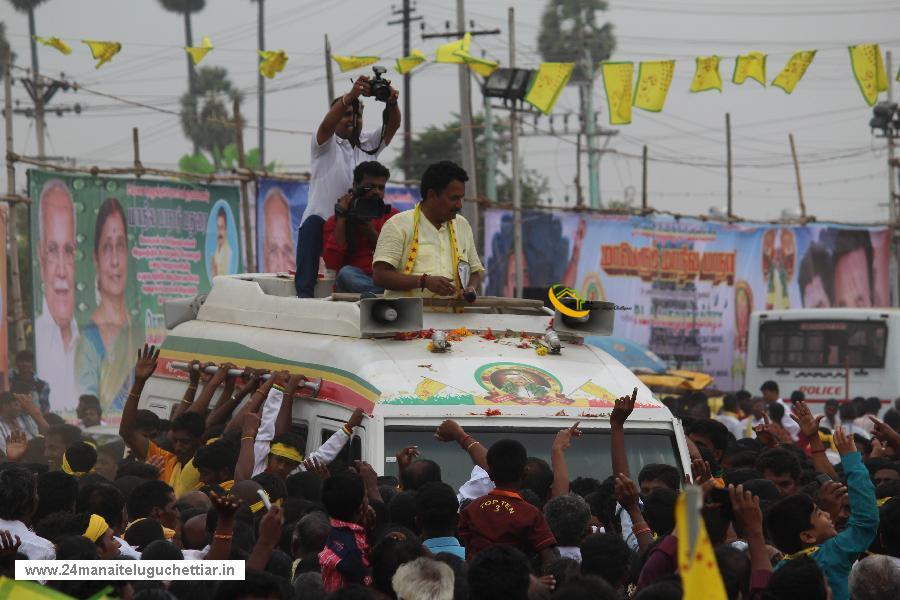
(503, 517)
(336, 256)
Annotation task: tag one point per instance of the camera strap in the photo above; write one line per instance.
(356, 131)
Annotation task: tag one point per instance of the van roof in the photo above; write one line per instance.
(828, 313)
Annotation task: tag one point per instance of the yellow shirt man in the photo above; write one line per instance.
(419, 251)
(183, 479)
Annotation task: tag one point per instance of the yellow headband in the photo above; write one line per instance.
(67, 468)
(135, 522)
(168, 533)
(882, 501)
(258, 506)
(285, 451)
(211, 440)
(96, 528)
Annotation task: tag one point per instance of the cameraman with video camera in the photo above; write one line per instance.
(352, 232)
(337, 148)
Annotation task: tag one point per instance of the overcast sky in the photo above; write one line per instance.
(842, 166)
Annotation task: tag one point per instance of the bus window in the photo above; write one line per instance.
(823, 344)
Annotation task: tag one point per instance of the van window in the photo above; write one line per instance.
(351, 452)
(588, 456)
(826, 344)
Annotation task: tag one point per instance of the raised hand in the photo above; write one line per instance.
(313, 465)
(16, 445)
(885, 432)
(449, 431)
(843, 442)
(270, 525)
(194, 371)
(564, 437)
(622, 409)
(367, 472)
(250, 425)
(746, 510)
(9, 544)
(147, 359)
(627, 493)
(764, 433)
(700, 471)
(355, 419)
(158, 462)
(226, 506)
(809, 425)
(831, 498)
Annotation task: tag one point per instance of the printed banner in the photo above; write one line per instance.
(107, 254)
(279, 208)
(688, 286)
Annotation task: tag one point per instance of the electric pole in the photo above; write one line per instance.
(405, 20)
(518, 258)
(728, 162)
(261, 82)
(329, 73)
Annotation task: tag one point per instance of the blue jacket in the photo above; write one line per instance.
(837, 555)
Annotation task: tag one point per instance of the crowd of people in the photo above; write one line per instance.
(798, 507)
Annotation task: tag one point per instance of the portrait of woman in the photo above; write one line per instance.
(105, 347)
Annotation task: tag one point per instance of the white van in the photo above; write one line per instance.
(370, 354)
(826, 353)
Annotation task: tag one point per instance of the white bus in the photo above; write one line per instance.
(826, 353)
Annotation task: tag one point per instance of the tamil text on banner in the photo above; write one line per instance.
(688, 287)
(107, 254)
(279, 208)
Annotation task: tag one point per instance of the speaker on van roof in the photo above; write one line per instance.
(385, 317)
(599, 320)
(182, 310)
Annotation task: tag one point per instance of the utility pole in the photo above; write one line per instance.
(405, 20)
(261, 83)
(892, 188)
(644, 180)
(579, 191)
(245, 195)
(329, 73)
(728, 159)
(15, 288)
(797, 174)
(516, 183)
(590, 131)
(467, 139)
(36, 93)
(490, 151)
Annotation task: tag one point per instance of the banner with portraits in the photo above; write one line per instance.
(687, 287)
(106, 255)
(279, 209)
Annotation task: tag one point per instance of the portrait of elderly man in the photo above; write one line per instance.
(55, 330)
(278, 242)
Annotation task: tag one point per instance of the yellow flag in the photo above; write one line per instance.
(348, 63)
(480, 65)
(408, 63)
(445, 53)
(700, 577)
(868, 69)
(707, 75)
(547, 84)
(794, 70)
(273, 61)
(595, 391)
(55, 42)
(103, 51)
(750, 66)
(653, 81)
(198, 53)
(428, 388)
(617, 78)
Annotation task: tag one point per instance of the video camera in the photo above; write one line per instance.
(363, 207)
(381, 88)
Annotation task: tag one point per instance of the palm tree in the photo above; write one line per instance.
(28, 6)
(260, 81)
(186, 8)
(211, 128)
(4, 47)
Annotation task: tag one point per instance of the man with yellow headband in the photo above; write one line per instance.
(99, 532)
(420, 251)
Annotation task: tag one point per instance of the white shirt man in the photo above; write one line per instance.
(33, 545)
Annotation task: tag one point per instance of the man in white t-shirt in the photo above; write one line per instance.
(771, 395)
(333, 156)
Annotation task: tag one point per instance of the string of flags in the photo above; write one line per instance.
(648, 92)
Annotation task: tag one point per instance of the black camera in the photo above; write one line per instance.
(364, 207)
(381, 88)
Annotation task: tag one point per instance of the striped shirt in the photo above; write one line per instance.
(344, 560)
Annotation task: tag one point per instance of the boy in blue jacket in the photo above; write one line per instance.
(800, 528)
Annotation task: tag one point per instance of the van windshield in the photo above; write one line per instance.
(588, 456)
(825, 344)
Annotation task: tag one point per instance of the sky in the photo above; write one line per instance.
(843, 166)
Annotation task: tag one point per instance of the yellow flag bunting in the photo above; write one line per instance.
(446, 53)
(794, 70)
(273, 62)
(617, 78)
(700, 576)
(654, 79)
(408, 63)
(869, 71)
(348, 63)
(546, 86)
(103, 51)
(750, 66)
(707, 75)
(479, 65)
(55, 42)
(198, 53)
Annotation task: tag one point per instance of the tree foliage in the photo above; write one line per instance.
(212, 129)
(4, 46)
(26, 6)
(570, 26)
(442, 143)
